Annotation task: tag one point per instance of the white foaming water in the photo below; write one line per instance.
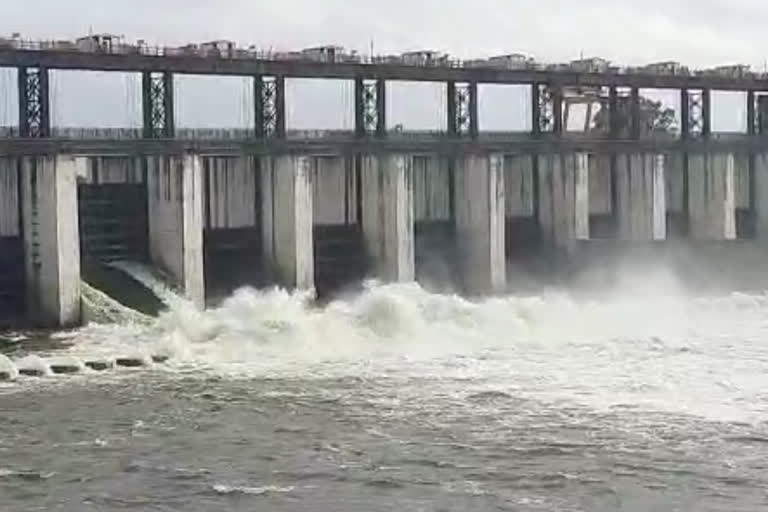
(646, 345)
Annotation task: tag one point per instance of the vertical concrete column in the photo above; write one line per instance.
(231, 188)
(431, 188)
(480, 221)
(518, 185)
(641, 196)
(175, 204)
(334, 191)
(711, 196)
(387, 198)
(51, 239)
(564, 198)
(287, 220)
(761, 196)
(9, 197)
(600, 192)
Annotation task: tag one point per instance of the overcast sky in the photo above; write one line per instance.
(699, 33)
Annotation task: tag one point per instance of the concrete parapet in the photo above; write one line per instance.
(711, 196)
(480, 222)
(51, 239)
(388, 216)
(175, 204)
(286, 185)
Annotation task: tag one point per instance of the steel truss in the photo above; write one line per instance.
(157, 92)
(34, 103)
(269, 96)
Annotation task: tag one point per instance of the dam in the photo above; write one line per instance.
(214, 210)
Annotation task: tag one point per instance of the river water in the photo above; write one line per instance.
(397, 399)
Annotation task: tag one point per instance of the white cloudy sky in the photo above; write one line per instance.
(700, 33)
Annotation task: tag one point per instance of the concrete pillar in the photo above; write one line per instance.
(480, 221)
(387, 197)
(564, 198)
(518, 185)
(761, 196)
(175, 204)
(641, 197)
(334, 191)
(431, 188)
(286, 185)
(600, 194)
(231, 192)
(51, 239)
(9, 197)
(674, 190)
(711, 196)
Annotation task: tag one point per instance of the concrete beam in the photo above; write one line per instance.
(480, 222)
(135, 62)
(388, 217)
(51, 239)
(175, 204)
(286, 185)
(711, 196)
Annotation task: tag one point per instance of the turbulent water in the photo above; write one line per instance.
(397, 399)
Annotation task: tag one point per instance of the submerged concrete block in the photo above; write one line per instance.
(388, 215)
(51, 239)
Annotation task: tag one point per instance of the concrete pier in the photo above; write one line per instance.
(334, 191)
(711, 196)
(761, 196)
(431, 189)
(480, 222)
(641, 197)
(564, 198)
(286, 184)
(231, 192)
(175, 204)
(518, 186)
(9, 197)
(51, 239)
(388, 215)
